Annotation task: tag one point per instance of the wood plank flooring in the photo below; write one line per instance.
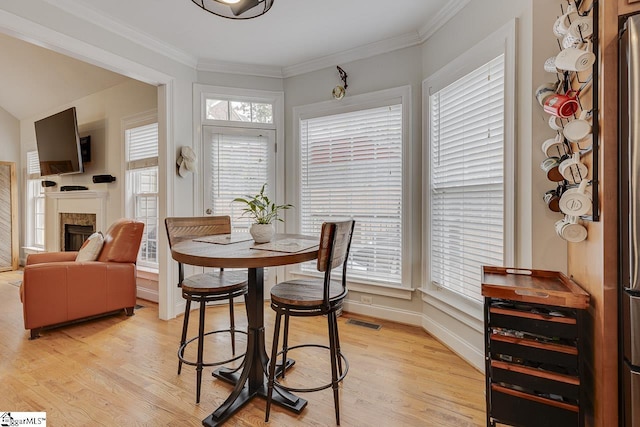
(122, 371)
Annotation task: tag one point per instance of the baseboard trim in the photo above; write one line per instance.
(385, 313)
(148, 294)
(455, 343)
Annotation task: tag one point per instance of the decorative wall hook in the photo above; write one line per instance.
(339, 91)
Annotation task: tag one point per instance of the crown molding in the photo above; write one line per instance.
(85, 13)
(214, 65)
(442, 17)
(361, 52)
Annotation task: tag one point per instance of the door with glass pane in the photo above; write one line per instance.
(237, 162)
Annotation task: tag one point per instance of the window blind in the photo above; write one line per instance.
(33, 165)
(142, 164)
(467, 178)
(351, 166)
(240, 166)
(143, 146)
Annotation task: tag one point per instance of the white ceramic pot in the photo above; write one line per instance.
(262, 233)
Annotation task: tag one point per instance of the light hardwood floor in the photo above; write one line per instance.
(122, 371)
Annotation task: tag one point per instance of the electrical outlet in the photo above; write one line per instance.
(366, 299)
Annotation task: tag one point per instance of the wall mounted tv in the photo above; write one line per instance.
(59, 144)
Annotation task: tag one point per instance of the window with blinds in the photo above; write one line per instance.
(142, 176)
(35, 202)
(239, 167)
(351, 166)
(467, 188)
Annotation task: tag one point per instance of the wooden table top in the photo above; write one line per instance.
(240, 254)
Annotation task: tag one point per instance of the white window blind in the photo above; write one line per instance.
(35, 202)
(239, 166)
(33, 165)
(467, 178)
(142, 165)
(351, 166)
(143, 146)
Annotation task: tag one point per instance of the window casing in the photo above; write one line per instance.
(142, 186)
(468, 149)
(35, 203)
(352, 159)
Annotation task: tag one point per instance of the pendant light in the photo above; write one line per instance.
(236, 9)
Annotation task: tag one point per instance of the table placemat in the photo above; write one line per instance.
(224, 239)
(287, 245)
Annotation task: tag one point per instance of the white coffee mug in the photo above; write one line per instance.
(578, 129)
(554, 147)
(573, 170)
(570, 229)
(570, 41)
(581, 27)
(576, 201)
(563, 23)
(550, 65)
(555, 123)
(545, 90)
(575, 59)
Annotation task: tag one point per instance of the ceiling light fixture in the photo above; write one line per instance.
(236, 9)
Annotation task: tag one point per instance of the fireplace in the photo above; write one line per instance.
(75, 235)
(74, 229)
(87, 207)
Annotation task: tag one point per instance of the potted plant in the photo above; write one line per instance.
(264, 212)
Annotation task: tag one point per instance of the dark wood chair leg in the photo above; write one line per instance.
(185, 325)
(272, 365)
(285, 344)
(203, 307)
(35, 333)
(333, 331)
(129, 311)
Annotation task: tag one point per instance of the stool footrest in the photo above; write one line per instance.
(223, 362)
(318, 388)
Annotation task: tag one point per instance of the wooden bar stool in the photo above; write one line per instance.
(314, 298)
(205, 287)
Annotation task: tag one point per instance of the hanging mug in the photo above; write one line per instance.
(570, 229)
(552, 198)
(544, 91)
(550, 166)
(554, 147)
(576, 201)
(562, 105)
(573, 170)
(578, 129)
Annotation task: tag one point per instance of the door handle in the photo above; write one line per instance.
(208, 211)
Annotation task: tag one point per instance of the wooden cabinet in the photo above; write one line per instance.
(534, 348)
(626, 7)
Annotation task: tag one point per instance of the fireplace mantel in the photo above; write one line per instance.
(82, 201)
(80, 194)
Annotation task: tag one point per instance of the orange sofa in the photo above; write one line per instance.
(56, 289)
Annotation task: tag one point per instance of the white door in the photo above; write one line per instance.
(237, 162)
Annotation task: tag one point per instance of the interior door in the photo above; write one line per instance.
(237, 162)
(8, 217)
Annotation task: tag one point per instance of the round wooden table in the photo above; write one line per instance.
(251, 382)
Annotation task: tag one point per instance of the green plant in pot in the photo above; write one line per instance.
(264, 212)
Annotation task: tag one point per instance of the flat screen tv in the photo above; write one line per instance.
(59, 144)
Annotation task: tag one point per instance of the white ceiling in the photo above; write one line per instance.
(294, 35)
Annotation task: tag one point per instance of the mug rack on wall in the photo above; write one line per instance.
(577, 85)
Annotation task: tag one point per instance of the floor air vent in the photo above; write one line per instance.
(364, 324)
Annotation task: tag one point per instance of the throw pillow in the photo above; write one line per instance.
(91, 248)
